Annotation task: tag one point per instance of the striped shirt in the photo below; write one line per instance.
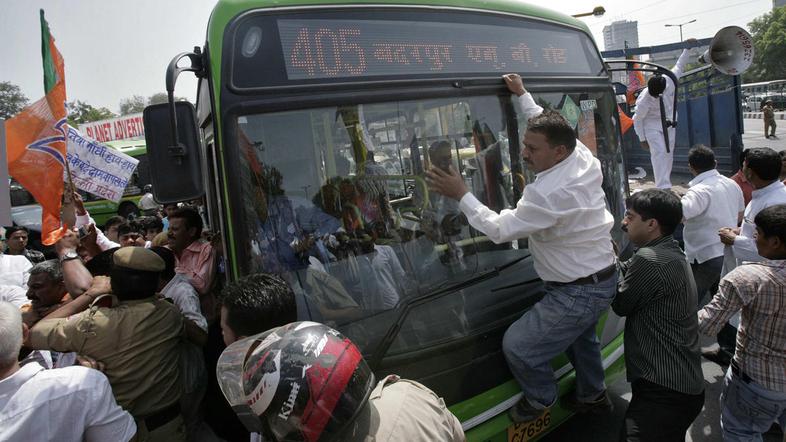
(657, 293)
(759, 290)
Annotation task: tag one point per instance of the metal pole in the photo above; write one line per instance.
(5, 188)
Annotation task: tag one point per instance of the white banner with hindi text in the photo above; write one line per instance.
(98, 169)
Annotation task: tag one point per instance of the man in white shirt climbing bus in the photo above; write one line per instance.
(563, 213)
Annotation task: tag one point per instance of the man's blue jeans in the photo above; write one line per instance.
(748, 409)
(563, 321)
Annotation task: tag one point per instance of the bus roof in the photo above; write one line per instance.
(129, 147)
(226, 10)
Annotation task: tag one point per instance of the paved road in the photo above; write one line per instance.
(754, 135)
(706, 427)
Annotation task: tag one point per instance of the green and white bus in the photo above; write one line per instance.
(312, 129)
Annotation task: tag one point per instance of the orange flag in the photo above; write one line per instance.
(36, 142)
(625, 121)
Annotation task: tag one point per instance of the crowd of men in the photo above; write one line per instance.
(122, 336)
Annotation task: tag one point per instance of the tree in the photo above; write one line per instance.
(132, 105)
(80, 112)
(162, 97)
(769, 59)
(159, 98)
(137, 103)
(12, 100)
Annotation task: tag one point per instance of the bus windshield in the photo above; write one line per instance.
(334, 199)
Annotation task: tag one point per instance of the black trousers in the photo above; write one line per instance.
(659, 414)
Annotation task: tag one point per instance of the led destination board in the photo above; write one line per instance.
(314, 49)
(322, 47)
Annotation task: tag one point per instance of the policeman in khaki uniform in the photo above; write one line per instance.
(136, 338)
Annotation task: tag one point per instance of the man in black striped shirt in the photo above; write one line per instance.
(657, 294)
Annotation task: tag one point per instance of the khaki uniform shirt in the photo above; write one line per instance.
(410, 412)
(769, 113)
(137, 340)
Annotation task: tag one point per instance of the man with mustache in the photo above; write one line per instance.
(563, 214)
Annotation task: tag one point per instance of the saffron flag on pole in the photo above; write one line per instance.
(36, 142)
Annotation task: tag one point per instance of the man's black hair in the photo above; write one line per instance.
(659, 204)
(701, 158)
(555, 128)
(656, 85)
(257, 303)
(772, 221)
(128, 227)
(101, 264)
(169, 261)
(117, 219)
(764, 162)
(133, 284)
(191, 217)
(13, 229)
(151, 222)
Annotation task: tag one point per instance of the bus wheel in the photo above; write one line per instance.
(128, 210)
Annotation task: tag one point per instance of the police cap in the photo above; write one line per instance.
(138, 258)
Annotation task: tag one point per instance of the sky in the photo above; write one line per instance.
(115, 49)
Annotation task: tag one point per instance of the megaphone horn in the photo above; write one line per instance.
(730, 51)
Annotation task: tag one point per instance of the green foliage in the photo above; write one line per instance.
(12, 100)
(80, 112)
(132, 105)
(769, 42)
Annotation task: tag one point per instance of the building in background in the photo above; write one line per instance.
(778, 3)
(621, 34)
(669, 59)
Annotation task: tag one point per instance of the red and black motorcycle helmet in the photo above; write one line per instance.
(300, 382)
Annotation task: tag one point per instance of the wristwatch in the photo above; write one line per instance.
(69, 255)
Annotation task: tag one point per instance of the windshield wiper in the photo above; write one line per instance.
(437, 292)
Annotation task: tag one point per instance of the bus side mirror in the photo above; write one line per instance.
(175, 171)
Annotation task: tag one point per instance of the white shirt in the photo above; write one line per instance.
(388, 276)
(14, 294)
(646, 120)
(712, 202)
(14, 270)
(102, 241)
(563, 213)
(147, 202)
(63, 404)
(185, 297)
(744, 246)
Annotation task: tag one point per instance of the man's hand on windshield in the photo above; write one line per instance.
(515, 84)
(448, 183)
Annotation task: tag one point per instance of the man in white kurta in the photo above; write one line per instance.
(649, 128)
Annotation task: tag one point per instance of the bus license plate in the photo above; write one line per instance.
(530, 430)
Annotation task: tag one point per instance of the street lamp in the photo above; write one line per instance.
(597, 12)
(681, 25)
